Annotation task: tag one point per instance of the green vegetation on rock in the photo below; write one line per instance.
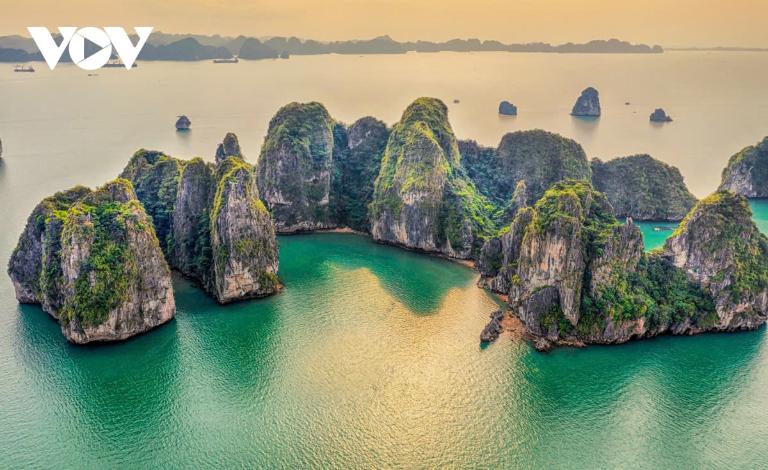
(100, 223)
(574, 273)
(294, 168)
(643, 188)
(217, 230)
(719, 244)
(537, 157)
(747, 171)
(423, 198)
(100, 270)
(358, 150)
(155, 177)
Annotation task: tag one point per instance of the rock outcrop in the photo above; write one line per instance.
(537, 157)
(35, 262)
(493, 329)
(294, 169)
(507, 109)
(191, 253)
(155, 178)
(588, 104)
(659, 115)
(574, 275)
(230, 147)
(643, 188)
(747, 171)
(216, 228)
(243, 243)
(183, 123)
(358, 150)
(93, 261)
(499, 256)
(423, 199)
(721, 249)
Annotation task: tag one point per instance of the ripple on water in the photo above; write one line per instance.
(371, 358)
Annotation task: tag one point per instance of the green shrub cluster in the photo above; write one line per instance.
(101, 224)
(354, 170)
(642, 187)
(538, 157)
(155, 178)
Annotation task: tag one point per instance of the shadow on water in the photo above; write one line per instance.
(677, 387)
(585, 125)
(115, 393)
(238, 340)
(419, 281)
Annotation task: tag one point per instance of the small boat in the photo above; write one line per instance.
(113, 63)
(23, 68)
(233, 60)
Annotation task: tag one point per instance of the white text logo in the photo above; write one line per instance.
(104, 39)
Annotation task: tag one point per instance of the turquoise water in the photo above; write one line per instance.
(656, 233)
(371, 358)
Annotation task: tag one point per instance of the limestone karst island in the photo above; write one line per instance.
(384, 235)
(552, 232)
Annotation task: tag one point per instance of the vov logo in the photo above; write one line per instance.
(107, 39)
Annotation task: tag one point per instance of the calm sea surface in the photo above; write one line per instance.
(370, 358)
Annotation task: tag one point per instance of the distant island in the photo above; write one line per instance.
(189, 47)
(719, 49)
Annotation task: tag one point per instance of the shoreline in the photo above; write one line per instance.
(472, 264)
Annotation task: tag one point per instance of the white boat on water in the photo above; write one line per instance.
(113, 63)
(23, 68)
(233, 60)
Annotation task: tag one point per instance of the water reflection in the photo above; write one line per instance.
(648, 401)
(237, 342)
(105, 390)
(419, 282)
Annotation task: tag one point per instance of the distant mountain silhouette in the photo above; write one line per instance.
(190, 47)
(186, 49)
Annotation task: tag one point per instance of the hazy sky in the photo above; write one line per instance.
(666, 22)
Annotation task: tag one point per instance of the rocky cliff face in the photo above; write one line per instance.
(538, 158)
(101, 271)
(422, 197)
(569, 225)
(230, 147)
(575, 275)
(155, 178)
(218, 230)
(358, 151)
(720, 248)
(588, 104)
(35, 263)
(245, 259)
(191, 252)
(747, 171)
(294, 169)
(498, 260)
(643, 188)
